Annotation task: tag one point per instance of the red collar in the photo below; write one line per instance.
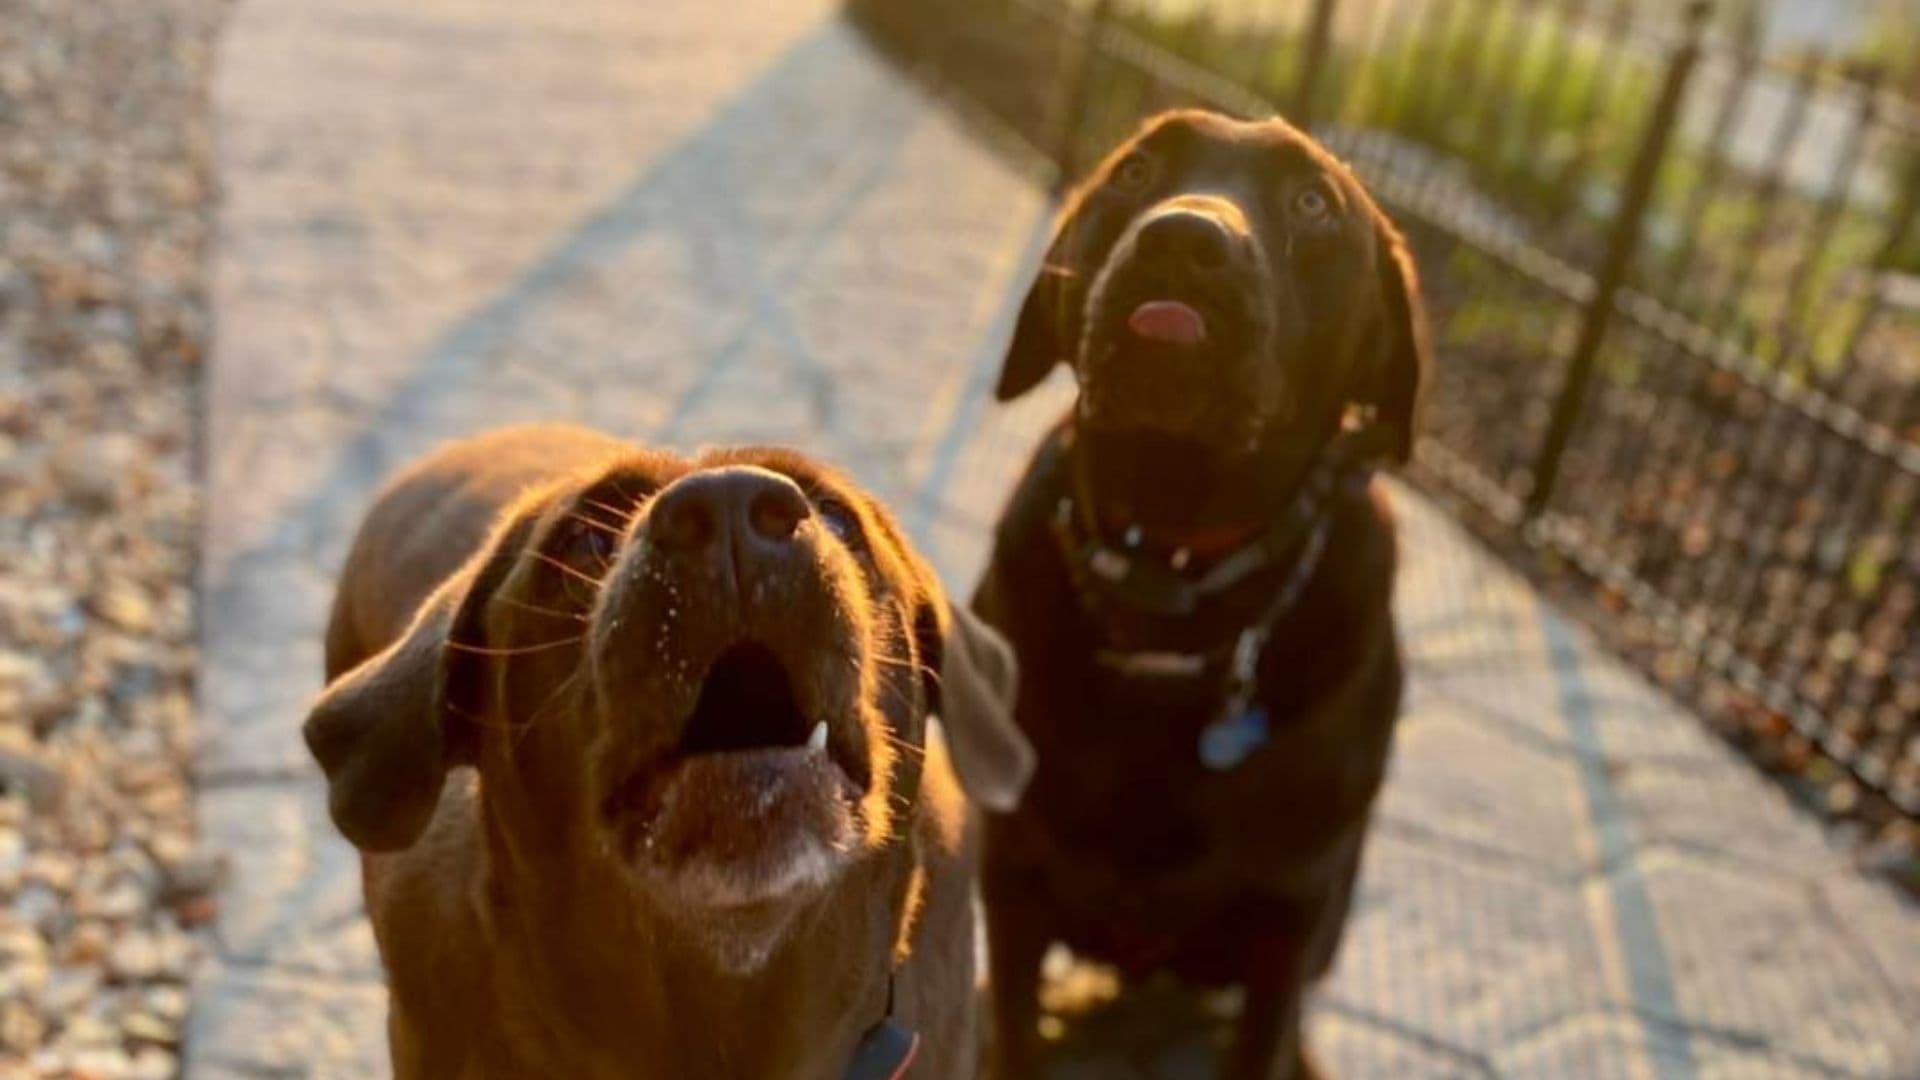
(1204, 544)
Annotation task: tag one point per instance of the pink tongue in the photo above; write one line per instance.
(1168, 321)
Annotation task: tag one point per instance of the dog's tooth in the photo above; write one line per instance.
(817, 740)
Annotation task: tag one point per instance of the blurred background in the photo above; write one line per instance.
(1654, 798)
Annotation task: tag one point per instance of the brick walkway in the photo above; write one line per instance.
(698, 222)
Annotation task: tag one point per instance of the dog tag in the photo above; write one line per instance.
(885, 1052)
(1228, 741)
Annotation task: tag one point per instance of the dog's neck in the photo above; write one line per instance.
(1180, 494)
(697, 995)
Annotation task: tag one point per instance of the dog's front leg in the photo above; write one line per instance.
(1268, 1044)
(1017, 940)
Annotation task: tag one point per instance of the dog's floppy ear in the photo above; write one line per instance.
(974, 695)
(1048, 329)
(1043, 334)
(1399, 376)
(386, 732)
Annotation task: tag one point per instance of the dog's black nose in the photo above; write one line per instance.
(1194, 237)
(739, 505)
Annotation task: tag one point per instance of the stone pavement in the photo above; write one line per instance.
(693, 222)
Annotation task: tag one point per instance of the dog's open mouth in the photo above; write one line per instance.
(747, 703)
(756, 801)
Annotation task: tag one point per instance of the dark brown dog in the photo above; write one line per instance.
(1195, 574)
(704, 831)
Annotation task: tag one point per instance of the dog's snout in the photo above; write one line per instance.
(1189, 236)
(739, 507)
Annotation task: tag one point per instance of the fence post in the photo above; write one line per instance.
(1073, 104)
(1622, 242)
(1313, 61)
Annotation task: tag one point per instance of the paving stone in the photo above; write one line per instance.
(974, 460)
(1881, 927)
(1688, 809)
(1463, 782)
(1593, 1042)
(1463, 951)
(1453, 600)
(1710, 1060)
(1758, 957)
(249, 1023)
(1346, 1044)
(298, 904)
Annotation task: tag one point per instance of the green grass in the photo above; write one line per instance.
(1890, 51)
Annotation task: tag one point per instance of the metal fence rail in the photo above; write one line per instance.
(1674, 288)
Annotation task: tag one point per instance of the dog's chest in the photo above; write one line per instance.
(1125, 786)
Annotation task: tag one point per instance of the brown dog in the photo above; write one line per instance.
(1195, 574)
(703, 829)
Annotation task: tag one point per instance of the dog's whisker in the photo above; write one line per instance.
(893, 662)
(633, 511)
(899, 692)
(518, 730)
(623, 516)
(555, 613)
(481, 721)
(594, 522)
(553, 696)
(552, 699)
(516, 650)
(906, 747)
(563, 567)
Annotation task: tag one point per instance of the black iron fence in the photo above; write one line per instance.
(1676, 293)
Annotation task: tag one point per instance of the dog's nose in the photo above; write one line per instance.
(740, 505)
(1194, 237)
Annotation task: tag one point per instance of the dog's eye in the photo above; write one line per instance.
(1313, 203)
(839, 519)
(580, 556)
(1133, 174)
(588, 543)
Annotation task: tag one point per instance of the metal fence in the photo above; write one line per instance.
(1675, 287)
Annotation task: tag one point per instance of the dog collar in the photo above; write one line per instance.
(887, 1050)
(1124, 580)
(1106, 577)
(1242, 724)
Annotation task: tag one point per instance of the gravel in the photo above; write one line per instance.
(104, 211)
